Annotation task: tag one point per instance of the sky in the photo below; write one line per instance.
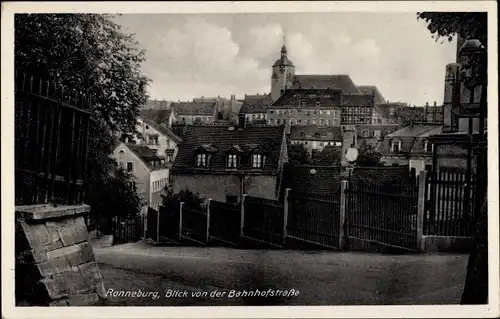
(194, 55)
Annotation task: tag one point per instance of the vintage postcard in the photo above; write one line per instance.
(250, 159)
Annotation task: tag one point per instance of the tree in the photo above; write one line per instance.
(91, 55)
(171, 200)
(298, 155)
(473, 25)
(368, 156)
(328, 156)
(87, 52)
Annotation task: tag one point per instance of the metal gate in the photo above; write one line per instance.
(127, 230)
(225, 223)
(314, 219)
(383, 214)
(264, 221)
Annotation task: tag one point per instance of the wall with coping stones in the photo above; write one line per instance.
(55, 262)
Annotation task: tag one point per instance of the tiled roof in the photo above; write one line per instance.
(357, 99)
(163, 130)
(157, 115)
(418, 146)
(148, 156)
(309, 98)
(315, 133)
(342, 82)
(156, 104)
(221, 138)
(408, 136)
(370, 89)
(383, 109)
(256, 103)
(192, 108)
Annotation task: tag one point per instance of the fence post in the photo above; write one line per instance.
(421, 211)
(157, 226)
(180, 220)
(285, 215)
(242, 218)
(343, 209)
(208, 221)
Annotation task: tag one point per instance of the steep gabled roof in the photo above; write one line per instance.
(146, 155)
(256, 103)
(157, 115)
(156, 104)
(372, 89)
(192, 108)
(316, 81)
(408, 136)
(357, 99)
(310, 98)
(163, 130)
(221, 138)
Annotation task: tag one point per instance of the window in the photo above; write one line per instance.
(130, 167)
(396, 147)
(327, 122)
(201, 160)
(428, 147)
(376, 133)
(365, 133)
(327, 112)
(232, 160)
(121, 152)
(292, 121)
(278, 121)
(271, 121)
(379, 121)
(272, 112)
(152, 139)
(257, 161)
(314, 121)
(317, 104)
(308, 122)
(322, 122)
(299, 121)
(170, 158)
(338, 143)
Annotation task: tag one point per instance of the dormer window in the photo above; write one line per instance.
(396, 146)
(232, 161)
(428, 147)
(201, 160)
(257, 160)
(317, 104)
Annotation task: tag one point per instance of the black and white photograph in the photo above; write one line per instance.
(232, 158)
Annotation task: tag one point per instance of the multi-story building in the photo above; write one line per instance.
(316, 138)
(306, 107)
(195, 113)
(225, 162)
(150, 172)
(254, 108)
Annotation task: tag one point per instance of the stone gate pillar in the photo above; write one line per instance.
(55, 262)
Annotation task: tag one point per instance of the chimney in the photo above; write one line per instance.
(426, 104)
(242, 121)
(435, 103)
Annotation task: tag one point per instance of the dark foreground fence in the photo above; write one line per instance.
(51, 142)
(361, 214)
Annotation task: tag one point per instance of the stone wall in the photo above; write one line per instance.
(55, 262)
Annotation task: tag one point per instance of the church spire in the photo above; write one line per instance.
(283, 48)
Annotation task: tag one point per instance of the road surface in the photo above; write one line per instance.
(319, 277)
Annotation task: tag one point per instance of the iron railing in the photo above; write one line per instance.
(51, 142)
(264, 220)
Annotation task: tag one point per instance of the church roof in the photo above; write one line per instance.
(309, 98)
(283, 61)
(316, 81)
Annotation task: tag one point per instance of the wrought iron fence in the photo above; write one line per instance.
(315, 218)
(51, 142)
(450, 203)
(264, 220)
(378, 216)
(225, 221)
(194, 224)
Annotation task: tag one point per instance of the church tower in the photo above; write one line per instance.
(283, 73)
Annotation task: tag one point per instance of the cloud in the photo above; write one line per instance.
(224, 54)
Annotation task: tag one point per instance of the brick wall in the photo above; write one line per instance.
(55, 263)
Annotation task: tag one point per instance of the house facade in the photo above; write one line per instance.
(150, 173)
(411, 145)
(225, 162)
(321, 107)
(254, 108)
(157, 137)
(316, 138)
(195, 113)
